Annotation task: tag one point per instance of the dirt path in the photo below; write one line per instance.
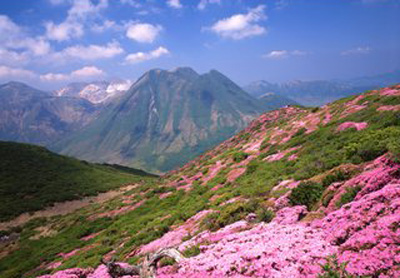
(64, 207)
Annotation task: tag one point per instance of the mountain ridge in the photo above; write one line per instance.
(175, 112)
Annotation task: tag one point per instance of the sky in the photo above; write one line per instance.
(49, 43)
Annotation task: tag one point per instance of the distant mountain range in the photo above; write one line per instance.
(165, 119)
(95, 92)
(33, 116)
(319, 92)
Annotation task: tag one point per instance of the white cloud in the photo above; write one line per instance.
(133, 3)
(80, 74)
(63, 31)
(281, 4)
(143, 32)
(91, 52)
(9, 57)
(15, 73)
(54, 77)
(106, 25)
(88, 71)
(281, 54)
(358, 50)
(176, 4)
(73, 25)
(204, 3)
(13, 37)
(240, 26)
(139, 57)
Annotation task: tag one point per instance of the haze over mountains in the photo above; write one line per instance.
(319, 92)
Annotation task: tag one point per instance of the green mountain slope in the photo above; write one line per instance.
(164, 120)
(32, 178)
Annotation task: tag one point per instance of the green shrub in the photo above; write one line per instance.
(335, 177)
(394, 149)
(327, 198)
(239, 156)
(307, 194)
(191, 251)
(265, 214)
(229, 214)
(348, 196)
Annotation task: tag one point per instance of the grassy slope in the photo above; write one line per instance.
(320, 151)
(32, 178)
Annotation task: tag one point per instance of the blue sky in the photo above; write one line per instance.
(48, 43)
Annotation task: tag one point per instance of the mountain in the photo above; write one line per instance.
(273, 101)
(300, 192)
(33, 116)
(95, 92)
(32, 178)
(165, 119)
(319, 92)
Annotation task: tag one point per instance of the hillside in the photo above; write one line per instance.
(32, 116)
(296, 190)
(164, 120)
(32, 178)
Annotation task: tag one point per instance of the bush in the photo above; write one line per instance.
(394, 149)
(351, 193)
(239, 156)
(335, 177)
(229, 214)
(307, 194)
(264, 214)
(191, 251)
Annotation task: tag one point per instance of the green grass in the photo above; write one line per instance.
(32, 178)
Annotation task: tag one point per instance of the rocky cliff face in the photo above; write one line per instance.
(298, 193)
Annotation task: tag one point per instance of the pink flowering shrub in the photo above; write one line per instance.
(357, 126)
(174, 237)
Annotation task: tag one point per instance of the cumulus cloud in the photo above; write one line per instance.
(240, 26)
(176, 4)
(357, 51)
(80, 74)
(281, 54)
(73, 25)
(143, 32)
(63, 31)
(204, 3)
(106, 25)
(13, 37)
(92, 52)
(15, 73)
(88, 71)
(9, 57)
(139, 57)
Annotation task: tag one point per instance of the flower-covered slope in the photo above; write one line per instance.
(299, 193)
